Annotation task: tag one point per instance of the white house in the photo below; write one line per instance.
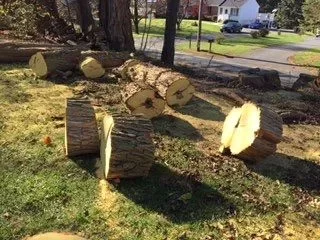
(244, 11)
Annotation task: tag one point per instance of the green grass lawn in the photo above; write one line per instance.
(192, 192)
(309, 58)
(158, 26)
(242, 45)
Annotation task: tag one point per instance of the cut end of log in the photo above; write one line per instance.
(141, 99)
(126, 147)
(180, 93)
(38, 65)
(251, 132)
(92, 68)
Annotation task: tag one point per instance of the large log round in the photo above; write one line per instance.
(142, 99)
(172, 86)
(251, 132)
(126, 148)
(81, 133)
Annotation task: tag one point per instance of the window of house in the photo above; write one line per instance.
(234, 11)
(226, 11)
(221, 10)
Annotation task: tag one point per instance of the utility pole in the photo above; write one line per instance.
(199, 25)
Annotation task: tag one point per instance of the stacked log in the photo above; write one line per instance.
(251, 132)
(45, 63)
(81, 130)
(126, 148)
(173, 87)
(12, 52)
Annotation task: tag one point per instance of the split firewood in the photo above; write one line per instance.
(251, 132)
(172, 86)
(45, 63)
(126, 148)
(142, 99)
(11, 52)
(81, 134)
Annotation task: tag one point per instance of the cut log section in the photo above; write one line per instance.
(126, 148)
(92, 68)
(81, 130)
(12, 52)
(251, 132)
(45, 63)
(142, 99)
(174, 87)
(307, 81)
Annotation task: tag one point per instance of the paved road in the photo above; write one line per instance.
(275, 57)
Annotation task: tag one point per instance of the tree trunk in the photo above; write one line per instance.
(81, 135)
(251, 133)
(126, 148)
(21, 52)
(45, 63)
(115, 18)
(168, 49)
(136, 16)
(172, 86)
(86, 18)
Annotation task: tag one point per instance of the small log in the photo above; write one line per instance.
(172, 86)
(260, 79)
(13, 52)
(292, 116)
(307, 81)
(81, 130)
(45, 63)
(251, 132)
(142, 99)
(92, 68)
(126, 148)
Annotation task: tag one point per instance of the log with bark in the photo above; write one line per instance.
(251, 132)
(140, 98)
(46, 63)
(126, 148)
(307, 81)
(12, 52)
(172, 86)
(81, 130)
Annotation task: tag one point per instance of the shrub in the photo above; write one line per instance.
(194, 24)
(254, 34)
(220, 38)
(263, 32)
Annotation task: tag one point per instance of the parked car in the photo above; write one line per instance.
(256, 25)
(229, 20)
(231, 27)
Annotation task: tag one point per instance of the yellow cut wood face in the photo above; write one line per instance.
(105, 143)
(55, 236)
(38, 65)
(92, 68)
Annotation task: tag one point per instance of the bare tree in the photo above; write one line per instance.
(85, 16)
(168, 49)
(184, 5)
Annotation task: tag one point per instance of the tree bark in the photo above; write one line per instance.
(126, 148)
(168, 49)
(81, 135)
(115, 18)
(86, 18)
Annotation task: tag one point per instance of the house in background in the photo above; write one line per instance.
(243, 11)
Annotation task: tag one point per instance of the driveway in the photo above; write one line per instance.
(275, 57)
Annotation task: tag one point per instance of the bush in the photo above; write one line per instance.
(263, 32)
(220, 38)
(194, 24)
(255, 34)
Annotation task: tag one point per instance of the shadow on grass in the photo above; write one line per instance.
(172, 126)
(292, 170)
(90, 163)
(202, 109)
(11, 92)
(178, 196)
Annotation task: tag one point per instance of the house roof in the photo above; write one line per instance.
(214, 2)
(233, 3)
